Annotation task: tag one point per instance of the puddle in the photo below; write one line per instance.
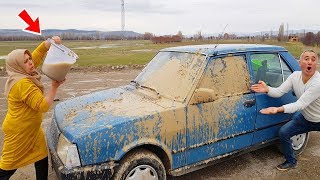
(84, 91)
(86, 47)
(109, 45)
(142, 50)
(99, 80)
(68, 89)
(104, 46)
(72, 94)
(88, 81)
(115, 80)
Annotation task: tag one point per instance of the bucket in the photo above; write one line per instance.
(58, 61)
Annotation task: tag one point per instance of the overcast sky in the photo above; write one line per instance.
(163, 17)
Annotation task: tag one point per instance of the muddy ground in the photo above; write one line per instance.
(259, 164)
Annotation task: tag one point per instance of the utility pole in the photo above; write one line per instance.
(287, 31)
(122, 24)
(122, 18)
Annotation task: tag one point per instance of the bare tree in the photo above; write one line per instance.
(309, 39)
(318, 38)
(281, 33)
(180, 34)
(226, 36)
(166, 39)
(147, 36)
(198, 36)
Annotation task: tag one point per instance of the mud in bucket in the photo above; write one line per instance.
(58, 61)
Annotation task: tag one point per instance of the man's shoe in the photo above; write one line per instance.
(286, 166)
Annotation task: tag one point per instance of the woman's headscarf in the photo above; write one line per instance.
(16, 72)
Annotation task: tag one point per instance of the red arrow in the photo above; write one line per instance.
(34, 26)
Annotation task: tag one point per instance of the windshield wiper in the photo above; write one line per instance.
(152, 89)
(135, 83)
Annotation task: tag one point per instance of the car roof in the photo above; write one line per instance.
(217, 49)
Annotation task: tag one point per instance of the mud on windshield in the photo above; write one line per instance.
(171, 74)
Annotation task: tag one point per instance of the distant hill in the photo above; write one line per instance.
(74, 32)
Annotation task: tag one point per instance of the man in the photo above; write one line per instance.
(306, 85)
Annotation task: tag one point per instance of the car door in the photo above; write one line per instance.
(273, 70)
(225, 123)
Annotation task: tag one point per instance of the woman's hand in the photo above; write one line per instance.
(56, 40)
(55, 84)
(53, 91)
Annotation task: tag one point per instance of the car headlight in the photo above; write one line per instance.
(68, 152)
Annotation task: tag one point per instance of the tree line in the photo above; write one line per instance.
(67, 36)
(309, 38)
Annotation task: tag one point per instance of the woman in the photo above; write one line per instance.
(24, 140)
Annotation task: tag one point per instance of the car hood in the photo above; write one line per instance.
(83, 115)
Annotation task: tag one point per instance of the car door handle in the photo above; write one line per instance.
(249, 103)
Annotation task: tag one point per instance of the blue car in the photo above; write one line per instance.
(190, 107)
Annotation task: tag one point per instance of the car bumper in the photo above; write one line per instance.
(101, 171)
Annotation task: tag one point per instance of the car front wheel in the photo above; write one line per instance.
(141, 164)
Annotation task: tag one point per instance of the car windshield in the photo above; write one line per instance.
(171, 74)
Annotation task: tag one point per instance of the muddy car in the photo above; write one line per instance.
(190, 107)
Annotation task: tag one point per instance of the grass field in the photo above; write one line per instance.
(101, 52)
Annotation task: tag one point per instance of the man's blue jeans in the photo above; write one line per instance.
(297, 125)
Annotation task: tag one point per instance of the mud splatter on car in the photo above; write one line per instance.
(189, 107)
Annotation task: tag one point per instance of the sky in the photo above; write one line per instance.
(164, 17)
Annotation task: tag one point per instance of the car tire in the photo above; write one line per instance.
(140, 164)
(299, 142)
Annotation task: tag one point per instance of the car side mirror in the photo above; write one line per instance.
(203, 95)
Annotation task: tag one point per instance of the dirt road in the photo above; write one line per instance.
(259, 164)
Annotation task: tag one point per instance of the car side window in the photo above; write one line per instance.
(227, 76)
(286, 70)
(266, 67)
